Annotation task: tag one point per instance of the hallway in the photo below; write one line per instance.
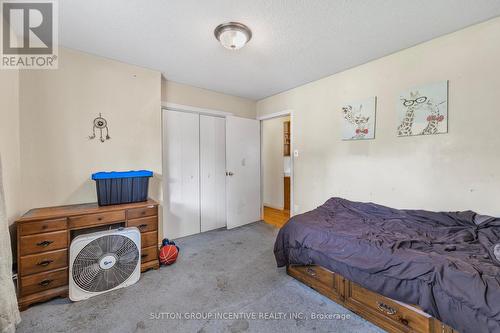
(276, 217)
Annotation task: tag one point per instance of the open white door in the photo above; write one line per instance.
(243, 171)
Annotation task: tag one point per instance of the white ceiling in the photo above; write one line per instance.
(294, 41)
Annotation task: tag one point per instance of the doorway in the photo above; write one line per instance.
(276, 169)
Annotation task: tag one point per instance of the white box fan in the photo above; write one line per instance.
(104, 261)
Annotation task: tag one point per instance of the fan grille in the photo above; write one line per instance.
(87, 271)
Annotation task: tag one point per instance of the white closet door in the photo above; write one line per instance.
(212, 172)
(181, 154)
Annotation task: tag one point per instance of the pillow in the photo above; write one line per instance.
(496, 251)
(478, 219)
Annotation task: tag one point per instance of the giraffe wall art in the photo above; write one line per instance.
(423, 110)
(359, 120)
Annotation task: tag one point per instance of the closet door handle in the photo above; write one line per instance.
(229, 173)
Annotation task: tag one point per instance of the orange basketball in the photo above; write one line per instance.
(168, 254)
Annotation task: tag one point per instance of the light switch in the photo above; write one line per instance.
(295, 153)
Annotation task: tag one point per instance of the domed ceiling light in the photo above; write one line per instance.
(233, 35)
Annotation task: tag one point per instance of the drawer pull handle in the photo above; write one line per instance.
(143, 212)
(404, 321)
(386, 308)
(142, 226)
(99, 219)
(45, 283)
(144, 256)
(45, 243)
(45, 263)
(311, 272)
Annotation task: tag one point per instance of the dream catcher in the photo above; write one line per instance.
(101, 125)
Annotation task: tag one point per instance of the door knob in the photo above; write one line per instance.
(229, 173)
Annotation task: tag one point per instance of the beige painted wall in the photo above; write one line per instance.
(57, 109)
(454, 171)
(178, 93)
(272, 162)
(9, 141)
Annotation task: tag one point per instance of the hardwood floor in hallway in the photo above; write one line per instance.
(276, 217)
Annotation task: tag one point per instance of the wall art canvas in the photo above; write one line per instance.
(423, 110)
(359, 120)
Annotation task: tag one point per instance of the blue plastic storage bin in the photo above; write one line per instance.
(114, 188)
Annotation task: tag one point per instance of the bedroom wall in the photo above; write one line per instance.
(57, 109)
(9, 141)
(178, 93)
(454, 171)
(272, 162)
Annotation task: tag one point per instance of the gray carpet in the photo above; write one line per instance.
(224, 273)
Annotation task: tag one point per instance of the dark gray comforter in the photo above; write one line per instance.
(443, 262)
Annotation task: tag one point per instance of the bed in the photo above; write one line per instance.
(444, 263)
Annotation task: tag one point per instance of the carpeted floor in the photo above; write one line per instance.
(219, 273)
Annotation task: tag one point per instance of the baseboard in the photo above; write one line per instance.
(273, 206)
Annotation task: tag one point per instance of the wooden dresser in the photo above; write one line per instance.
(44, 236)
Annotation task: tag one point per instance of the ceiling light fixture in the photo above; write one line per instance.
(233, 35)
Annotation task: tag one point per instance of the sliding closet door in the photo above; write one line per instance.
(181, 174)
(212, 172)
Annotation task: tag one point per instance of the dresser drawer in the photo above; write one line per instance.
(149, 239)
(145, 224)
(399, 317)
(43, 242)
(46, 261)
(42, 281)
(149, 253)
(94, 219)
(314, 274)
(142, 212)
(30, 228)
(318, 278)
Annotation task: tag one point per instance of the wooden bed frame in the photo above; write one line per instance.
(391, 315)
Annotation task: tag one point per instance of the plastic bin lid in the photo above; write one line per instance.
(121, 174)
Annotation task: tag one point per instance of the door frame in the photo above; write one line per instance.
(279, 114)
(194, 109)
